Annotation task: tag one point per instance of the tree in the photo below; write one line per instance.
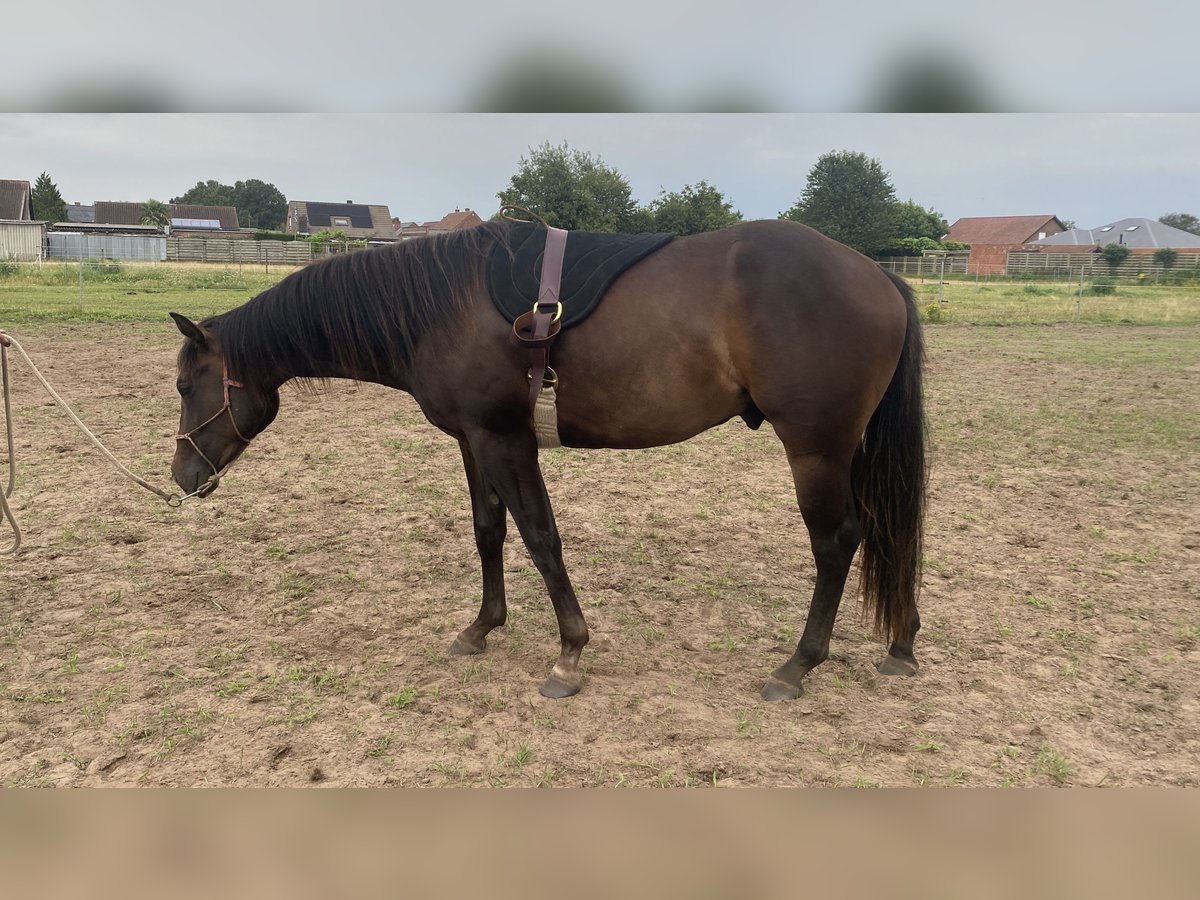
(46, 203)
(1183, 221)
(155, 212)
(574, 190)
(695, 208)
(914, 221)
(207, 193)
(848, 197)
(258, 203)
(1115, 254)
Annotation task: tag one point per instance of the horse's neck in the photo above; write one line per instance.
(322, 365)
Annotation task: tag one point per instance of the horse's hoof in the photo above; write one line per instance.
(777, 689)
(894, 665)
(462, 647)
(556, 687)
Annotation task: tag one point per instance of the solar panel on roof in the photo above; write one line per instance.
(321, 214)
(196, 223)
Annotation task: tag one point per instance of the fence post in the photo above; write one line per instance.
(82, 238)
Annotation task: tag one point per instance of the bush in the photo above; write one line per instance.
(324, 237)
(1102, 286)
(934, 313)
(1166, 257)
(1115, 254)
(9, 267)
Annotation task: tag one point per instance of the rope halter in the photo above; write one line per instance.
(226, 407)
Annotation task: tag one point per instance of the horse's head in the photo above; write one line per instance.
(219, 415)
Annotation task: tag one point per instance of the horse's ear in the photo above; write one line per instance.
(190, 329)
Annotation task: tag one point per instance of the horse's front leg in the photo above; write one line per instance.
(491, 525)
(509, 464)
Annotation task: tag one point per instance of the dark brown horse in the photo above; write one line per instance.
(765, 320)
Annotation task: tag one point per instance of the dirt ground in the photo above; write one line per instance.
(292, 629)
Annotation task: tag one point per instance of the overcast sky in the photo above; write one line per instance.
(1092, 168)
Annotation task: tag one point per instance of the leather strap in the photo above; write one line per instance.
(538, 328)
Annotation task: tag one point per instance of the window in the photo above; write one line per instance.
(341, 222)
(1133, 227)
(1107, 228)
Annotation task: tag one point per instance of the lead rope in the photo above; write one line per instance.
(7, 340)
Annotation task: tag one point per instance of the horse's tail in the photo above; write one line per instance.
(889, 483)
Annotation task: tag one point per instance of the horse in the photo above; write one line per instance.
(767, 320)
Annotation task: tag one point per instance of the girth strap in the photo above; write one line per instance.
(538, 328)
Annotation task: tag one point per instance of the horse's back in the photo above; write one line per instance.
(769, 314)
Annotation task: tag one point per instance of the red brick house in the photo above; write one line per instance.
(991, 237)
(459, 219)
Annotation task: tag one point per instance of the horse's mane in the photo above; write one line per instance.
(364, 311)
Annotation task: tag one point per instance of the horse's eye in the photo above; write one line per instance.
(183, 387)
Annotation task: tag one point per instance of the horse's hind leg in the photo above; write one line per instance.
(508, 462)
(827, 505)
(900, 659)
(491, 526)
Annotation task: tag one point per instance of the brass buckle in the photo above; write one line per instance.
(549, 378)
(537, 308)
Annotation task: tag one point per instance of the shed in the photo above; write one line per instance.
(21, 240)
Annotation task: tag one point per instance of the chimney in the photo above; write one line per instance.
(349, 202)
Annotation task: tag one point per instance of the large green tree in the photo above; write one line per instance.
(575, 190)
(917, 229)
(259, 204)
(46, 203)
(207, 193)
(695, 208)
(915, 221)
(849, 197)
(1184, 221)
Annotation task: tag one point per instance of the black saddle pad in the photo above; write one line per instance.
(591, 263)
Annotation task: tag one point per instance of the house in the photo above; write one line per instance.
(15, 201)
(991, 237)
(355, 220)
(454, 221)
(191, 217)
(185, 219)
(81, 214)
(20, 237)
(1139, 235)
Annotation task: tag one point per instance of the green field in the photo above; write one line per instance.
(1026, 302)
(130, 292)
(147, 292)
